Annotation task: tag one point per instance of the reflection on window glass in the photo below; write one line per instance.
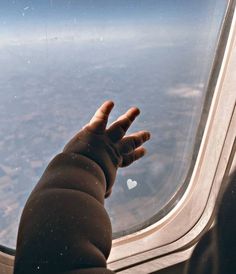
(59, 60)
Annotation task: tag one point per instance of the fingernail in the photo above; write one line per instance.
(137, 110)
(110, 102)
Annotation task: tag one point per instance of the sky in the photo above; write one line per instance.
(100, 11)
(27, 20)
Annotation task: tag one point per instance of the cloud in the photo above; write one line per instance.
(152, 45)
(145, 37)
(185, 91)
(78, 35)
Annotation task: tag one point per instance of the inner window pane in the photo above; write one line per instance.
(59, 60)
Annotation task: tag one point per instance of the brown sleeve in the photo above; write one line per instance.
(64, 227)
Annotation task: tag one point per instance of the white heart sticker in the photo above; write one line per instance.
(131, 184)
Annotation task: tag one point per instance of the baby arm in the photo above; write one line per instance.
(64, 227)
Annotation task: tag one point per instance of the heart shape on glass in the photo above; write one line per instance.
(131, 184)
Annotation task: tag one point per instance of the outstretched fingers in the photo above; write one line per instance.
(128, 159)
(99, 120)
(118, 129)
(130, 143)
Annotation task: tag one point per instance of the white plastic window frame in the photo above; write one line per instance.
(177, 232)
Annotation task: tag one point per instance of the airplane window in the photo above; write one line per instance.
(61, 59)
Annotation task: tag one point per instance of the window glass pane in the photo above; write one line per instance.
(61, 59)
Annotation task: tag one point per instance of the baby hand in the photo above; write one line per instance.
(109, 147)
